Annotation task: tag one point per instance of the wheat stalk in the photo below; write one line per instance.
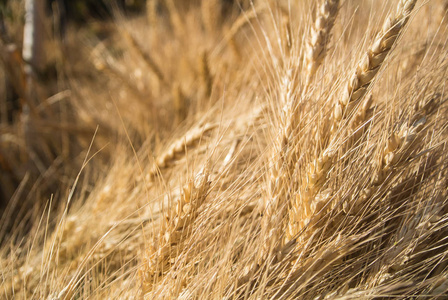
(151, 11)
(286, 34)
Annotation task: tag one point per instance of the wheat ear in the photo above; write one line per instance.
(369, 66)
(175, 230)
(177, 149)
(280, 173)
(320, 36)
(397, 150)
(311, 199)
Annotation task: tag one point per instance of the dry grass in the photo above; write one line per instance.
(243, 150)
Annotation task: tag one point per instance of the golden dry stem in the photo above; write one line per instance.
(286, 34)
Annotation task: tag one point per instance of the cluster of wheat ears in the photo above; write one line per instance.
(261, 149)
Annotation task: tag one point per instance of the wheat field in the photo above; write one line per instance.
(289, 149)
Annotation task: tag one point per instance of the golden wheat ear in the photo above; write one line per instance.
(280, 172)
(284, 157)
(177, 149)
(398, 148)
(175, 230)
(362, 78)
(317, 45)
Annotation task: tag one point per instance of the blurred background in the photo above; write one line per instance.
(68, 66)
